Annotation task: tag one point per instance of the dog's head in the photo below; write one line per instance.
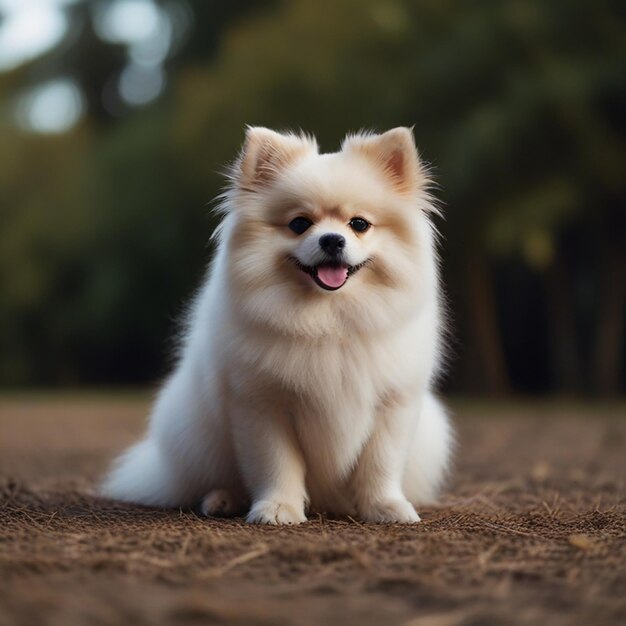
(322, 242)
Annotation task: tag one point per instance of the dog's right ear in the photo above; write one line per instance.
(265, 153)
(394, 153)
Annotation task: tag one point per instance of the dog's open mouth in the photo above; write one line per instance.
(330, 276)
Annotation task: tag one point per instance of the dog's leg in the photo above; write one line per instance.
(429, 454)
(271, 464)
(377, 479)
(221, 503)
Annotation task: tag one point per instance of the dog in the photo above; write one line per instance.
(306, 371)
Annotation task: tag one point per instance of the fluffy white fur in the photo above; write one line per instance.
(287, 396)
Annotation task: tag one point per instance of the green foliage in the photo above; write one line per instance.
(103, 231)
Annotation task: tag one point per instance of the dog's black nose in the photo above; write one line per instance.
(332, 244)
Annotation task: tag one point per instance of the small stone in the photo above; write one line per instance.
(581, 541)
(541, 470)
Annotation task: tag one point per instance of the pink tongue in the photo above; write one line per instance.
(332, 276)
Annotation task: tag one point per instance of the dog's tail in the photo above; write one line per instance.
(429, 457)
(141, 476)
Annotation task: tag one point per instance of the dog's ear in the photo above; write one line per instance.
(265, 153)
(394, 152)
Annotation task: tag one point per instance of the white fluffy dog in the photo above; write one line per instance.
(306, 370)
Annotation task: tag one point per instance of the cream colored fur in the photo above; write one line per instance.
(287, 396)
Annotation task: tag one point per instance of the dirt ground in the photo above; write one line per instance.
(531, 530)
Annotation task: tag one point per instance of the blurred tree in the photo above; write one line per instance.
(503, 96)
(518, 105)
(99, 243)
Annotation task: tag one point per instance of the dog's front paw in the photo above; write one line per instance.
(276, 513)
(385, 511)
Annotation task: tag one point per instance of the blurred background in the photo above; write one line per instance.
(116, 117)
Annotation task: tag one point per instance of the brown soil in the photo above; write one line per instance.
(530, 531)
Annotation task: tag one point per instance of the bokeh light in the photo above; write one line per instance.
(140, 84)
(52, 108)
(28, 29)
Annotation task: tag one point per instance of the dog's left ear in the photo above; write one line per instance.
(266, 153)
(394, 152)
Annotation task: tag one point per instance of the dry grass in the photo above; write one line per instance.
(531, 530)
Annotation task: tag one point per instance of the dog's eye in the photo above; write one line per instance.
(359, 225)
(300, 224)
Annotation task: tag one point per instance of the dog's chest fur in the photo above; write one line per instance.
(332, 389)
